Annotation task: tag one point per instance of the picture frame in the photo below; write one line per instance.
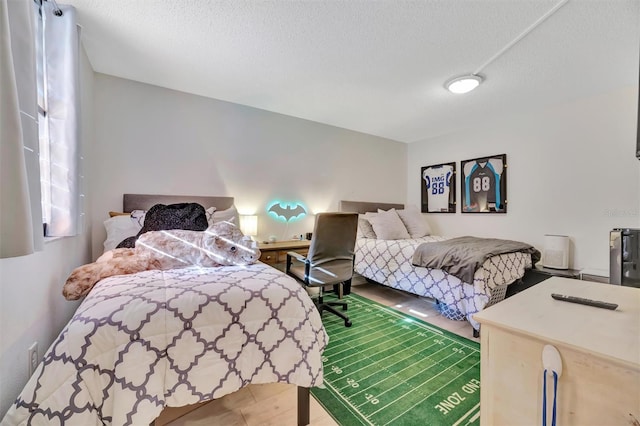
(484, 184)
(438, 188)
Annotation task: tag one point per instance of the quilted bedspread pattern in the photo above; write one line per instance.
(141, 342)
(389, 262)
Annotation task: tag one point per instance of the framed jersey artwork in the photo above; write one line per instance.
(484, 184)
(438, 185)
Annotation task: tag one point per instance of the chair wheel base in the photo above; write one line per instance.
(348, 324)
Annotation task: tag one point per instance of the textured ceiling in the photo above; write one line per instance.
(376, 67)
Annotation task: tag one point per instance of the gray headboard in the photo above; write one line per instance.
(365, 206)
(132, 202)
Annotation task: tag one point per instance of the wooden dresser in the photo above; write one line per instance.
(275, 254)
(599, 348)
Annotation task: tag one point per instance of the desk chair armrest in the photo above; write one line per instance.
(298, 256)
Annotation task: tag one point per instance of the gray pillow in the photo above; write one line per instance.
(365, 230)
(414, 221)
(388, 226)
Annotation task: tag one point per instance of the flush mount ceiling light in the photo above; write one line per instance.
(463, 84)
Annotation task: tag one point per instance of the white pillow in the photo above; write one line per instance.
(138, 216)
(118, 228)
(415, 223)
(388, 226)
(369, 215)
(365, 230)
(209, 212)
(230, 215)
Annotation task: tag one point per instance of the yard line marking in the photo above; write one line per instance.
(473, 419)
(475, 407)
(411, 354)
(378, 315)
(349, 341)
(428, 340)
(353, 407)
(421, 323)
(402, 332)
(371, 355)
(375, 362)
(396, 335)
(400, 316)
(350, 333)
(397, 373)
(433, 393)
(406, 380)
(373, 307)
(422, 384)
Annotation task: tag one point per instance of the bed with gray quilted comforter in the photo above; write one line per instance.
(462, 256)
(390, 263)
(157, 339)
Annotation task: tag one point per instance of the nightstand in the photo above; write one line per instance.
(275, 254)
(565, 273)
(537, 275)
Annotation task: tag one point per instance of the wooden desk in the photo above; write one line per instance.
(275, 254)
(600, 351)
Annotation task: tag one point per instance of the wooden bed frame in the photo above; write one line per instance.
(365, 206)
(132, 202)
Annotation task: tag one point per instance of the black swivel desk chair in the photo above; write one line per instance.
(329, 260)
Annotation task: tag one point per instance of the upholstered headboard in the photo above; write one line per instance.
(132, 202)
(365, 206)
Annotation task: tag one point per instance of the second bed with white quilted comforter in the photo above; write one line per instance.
(388, 262)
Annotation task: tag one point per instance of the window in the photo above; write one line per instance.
(58, 79)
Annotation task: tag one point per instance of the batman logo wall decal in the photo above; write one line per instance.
(287, 211)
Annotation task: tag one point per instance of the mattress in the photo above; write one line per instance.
(388, 262)
(141, 342)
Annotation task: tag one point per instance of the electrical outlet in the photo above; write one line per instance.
(33, 358)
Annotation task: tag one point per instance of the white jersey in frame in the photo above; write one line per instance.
(437, 180)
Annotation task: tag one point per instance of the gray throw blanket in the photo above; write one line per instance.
(462, 256)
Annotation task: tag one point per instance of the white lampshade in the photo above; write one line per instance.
(249, 225)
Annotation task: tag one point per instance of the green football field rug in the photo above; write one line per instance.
(390, 368)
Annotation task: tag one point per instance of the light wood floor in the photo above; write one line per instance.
(276, 404)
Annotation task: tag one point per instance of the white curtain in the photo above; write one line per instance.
(58, 39)
(20, 220)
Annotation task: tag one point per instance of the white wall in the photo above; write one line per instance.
(32, 307)
(154, 140)
(572, 171)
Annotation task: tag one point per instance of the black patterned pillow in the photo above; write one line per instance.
(161, 217)
(139, 215)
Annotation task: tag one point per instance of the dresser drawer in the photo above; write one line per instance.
(272, 257)
(275, 254)
(269, 257)
(282, 255)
